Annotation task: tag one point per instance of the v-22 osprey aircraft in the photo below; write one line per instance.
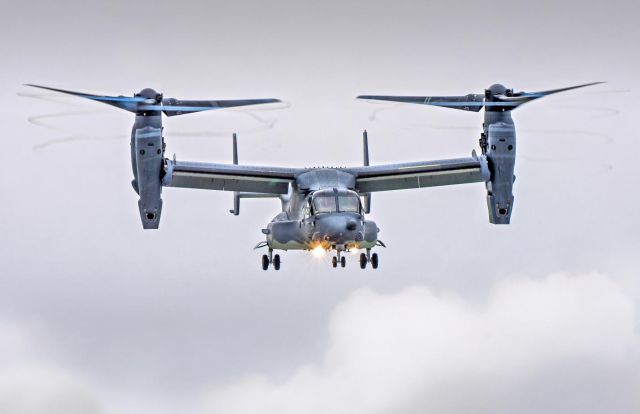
(323, 209)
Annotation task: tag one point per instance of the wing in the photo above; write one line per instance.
(229, 177)
(420, 174)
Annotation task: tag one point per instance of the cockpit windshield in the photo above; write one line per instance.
(349, 203)
(331, 202)
(324, 204)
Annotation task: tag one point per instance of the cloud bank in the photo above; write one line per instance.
(561, 344)
(32, 384)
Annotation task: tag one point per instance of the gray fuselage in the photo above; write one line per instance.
(329, 217)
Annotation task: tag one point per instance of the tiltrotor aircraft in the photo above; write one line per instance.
(322, 208)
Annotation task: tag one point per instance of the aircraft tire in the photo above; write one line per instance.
(343, 261)
(265, 262)
(374, 260)
(363, 261)
(276, 262)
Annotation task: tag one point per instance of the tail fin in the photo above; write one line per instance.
(365, 148)
(236, 194)
(365, 155)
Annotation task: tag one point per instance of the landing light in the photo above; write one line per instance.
(318, 251)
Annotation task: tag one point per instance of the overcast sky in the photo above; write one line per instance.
(99, 316)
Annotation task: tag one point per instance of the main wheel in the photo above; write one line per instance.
(343, 261)
(334, 261)
(363, 260)
(276, 262)
(374, 260)
(265, 262)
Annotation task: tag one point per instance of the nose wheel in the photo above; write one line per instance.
(339, 259)
(270, 259)
(368, 258)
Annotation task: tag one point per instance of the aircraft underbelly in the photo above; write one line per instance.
(290, 245)
(292, 235)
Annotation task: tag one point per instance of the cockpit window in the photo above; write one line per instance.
(324, 204)
(350, 204)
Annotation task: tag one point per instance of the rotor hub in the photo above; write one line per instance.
(150, 94)
(494, 90)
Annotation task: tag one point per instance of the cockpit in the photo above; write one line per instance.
(334, 200)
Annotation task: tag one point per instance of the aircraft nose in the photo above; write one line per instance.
(338, 229)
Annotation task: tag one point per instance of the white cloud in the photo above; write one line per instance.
(31, 384)
(561, 344)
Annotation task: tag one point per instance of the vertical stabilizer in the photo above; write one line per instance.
(365, 148)
(236, 195)
(365, 159)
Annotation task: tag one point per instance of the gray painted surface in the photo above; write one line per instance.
(299, 226)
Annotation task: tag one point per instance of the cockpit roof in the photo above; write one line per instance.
(331, 192)
(335, 200)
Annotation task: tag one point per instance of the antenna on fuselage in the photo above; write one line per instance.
(365, 155)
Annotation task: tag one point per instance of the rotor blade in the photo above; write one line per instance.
(123, 102)
(172, 107)
(520, 98)
(471, 102)
(552, 91)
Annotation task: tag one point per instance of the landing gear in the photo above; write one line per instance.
(368, 258)
(338, 259)
(363, 261)
(270, 259)
(374, 260)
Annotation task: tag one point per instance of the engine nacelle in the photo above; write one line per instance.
(501, 158)
(149, 156)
